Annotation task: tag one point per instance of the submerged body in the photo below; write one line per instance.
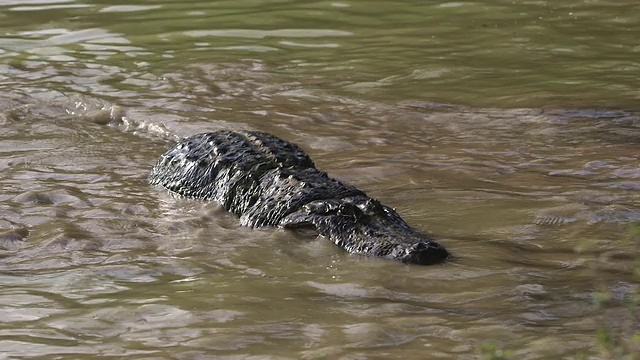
(267, 181)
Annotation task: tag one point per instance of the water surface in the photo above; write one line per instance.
(509, 131)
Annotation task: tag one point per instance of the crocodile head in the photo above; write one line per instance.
(364, 226)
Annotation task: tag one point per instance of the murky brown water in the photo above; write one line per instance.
(508, 131)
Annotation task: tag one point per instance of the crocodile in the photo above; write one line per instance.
(267, 181)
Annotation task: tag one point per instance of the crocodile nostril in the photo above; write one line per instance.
(425, 252)
(419, 247)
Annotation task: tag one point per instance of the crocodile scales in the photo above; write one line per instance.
(268, 181)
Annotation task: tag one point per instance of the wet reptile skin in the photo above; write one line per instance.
(268, 181)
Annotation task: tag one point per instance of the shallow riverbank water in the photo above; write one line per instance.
(508, 131)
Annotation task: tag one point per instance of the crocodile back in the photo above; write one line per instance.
(255, 175)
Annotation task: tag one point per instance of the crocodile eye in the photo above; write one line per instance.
(321, 207)
(372, 206)
(344, 210)
(349, 210)
(419, 247)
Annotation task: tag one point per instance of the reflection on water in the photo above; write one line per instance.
(94, 262)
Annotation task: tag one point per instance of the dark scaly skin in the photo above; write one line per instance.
(267, 181)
